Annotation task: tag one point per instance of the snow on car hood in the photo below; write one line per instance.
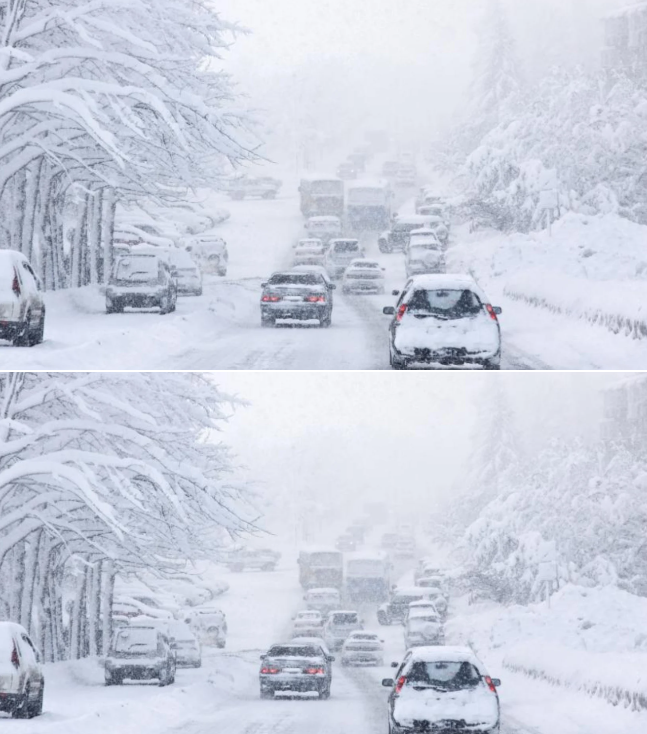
(476, 707)
(477, 334)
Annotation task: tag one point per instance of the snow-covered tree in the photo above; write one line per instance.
(101, 473)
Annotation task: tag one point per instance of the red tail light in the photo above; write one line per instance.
(490, 685)
(15, 286)
(490, 310)
(271, 299)
(14, 657)
(401, 312)
(316, 299)
(315, 671)
(270, 671)
(400, 684)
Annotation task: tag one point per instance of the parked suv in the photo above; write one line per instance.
(442, 689)
(139, 653)
(22, 310)
(141, 281)
(22, 684)
(295, 668)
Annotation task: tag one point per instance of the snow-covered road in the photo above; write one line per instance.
(223, 695)
(221, 329)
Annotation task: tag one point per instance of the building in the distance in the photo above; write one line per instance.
(625, 33)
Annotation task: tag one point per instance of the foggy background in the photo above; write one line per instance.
(330, 69)
(321, 445)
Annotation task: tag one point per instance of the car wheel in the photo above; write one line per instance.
(221, 644)
(383, 619)
(22, 337)
(109, 680)
(164, 678)
(222, 273)
(490, 365)
(199, 293)
(22, 709)
(37, 336)
(37, 708)
(266, 693)
(396, 363)
(267, 323)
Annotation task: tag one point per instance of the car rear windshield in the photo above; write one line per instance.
(346, 246)
(141, 641)
(362, 645)
(451, 304)
(443, 675)
(296, 279)
(420, 250)
(367, 265)
(294, 651)
(137, 269)
(344, 618)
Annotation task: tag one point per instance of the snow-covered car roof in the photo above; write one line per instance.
(441, 281)
(443, 653)
(311, 641)
(344, 239)
(420, 219)
(8, 630)
(423, 604)
(360, 635)
(368, 183)
(343, 611)
(410, 591)
(362, 263)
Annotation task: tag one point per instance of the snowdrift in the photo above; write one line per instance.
(590, 640)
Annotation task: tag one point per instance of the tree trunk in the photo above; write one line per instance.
(76, 623)
(18, 579)
(107, 593)
(77, 245)
(107, 231)
(94, 611)
(29, 582)
(94, 234)
(31, 196)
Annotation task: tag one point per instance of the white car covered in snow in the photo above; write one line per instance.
(341, 253)
(444, 321)
(364, 276)
(442, 689)
(363, 648)
(308, 623)
(424, 253)
(209, 625)
(309, 252)
(324, 228)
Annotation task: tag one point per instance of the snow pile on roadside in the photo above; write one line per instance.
(590, 640)
(592, 268)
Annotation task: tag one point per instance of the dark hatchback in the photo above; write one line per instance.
(299, 296)
(293, 668)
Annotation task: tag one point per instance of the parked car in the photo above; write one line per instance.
(390, 169)
(295, 668)
(363, 648)
(442, 689)
(347, 171)
(189, 276)
(309, 252)
(22, 683)
(436, 224)
(436, 595)
(22, 309)
(324, 228)
(209, 625)
(141, 281)
(423, 608)
(323, 600)
(264, 187)
(339, 625)
(364, 276)
(424, 254)
(308, 623)
(395, 610)
(300, 296)
(389, 541)
(139, 654)
(407, 175)
(341, 253)
(185, 645)
(210, 253)
(405, 547)
(446, 321)
(262, 559)
(397, 237)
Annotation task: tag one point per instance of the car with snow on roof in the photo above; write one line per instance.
(22, 682)
(324, 228)
(210, 253)
(363, 648)
(444, 321)
(442, 689)
(296, 296)
(341, 253)
(253, 559)
(395, 610)
(244, 186)
(139, 653)
(141, 281)
(424, 254)
(323, 600)
(310, 251)
(295, 667)
(209, 625)
(339, 624)
(363, 276)
(397, 237)
(309, 622)
(423, 627)
(22, 308)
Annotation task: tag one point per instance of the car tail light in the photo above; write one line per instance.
(316, 299)
(14, 657)
(400, 683)
(314, 671)
(490, 310)
(271, 299)
(490, 685)
(270, 671)
(15, 286)
(401, 312)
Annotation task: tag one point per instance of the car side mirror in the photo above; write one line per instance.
(395, 293)
(388, 311)
(331, 658)
(333, 287)
(394, 665)
(498, 310)
(388, 682)
(496, 682)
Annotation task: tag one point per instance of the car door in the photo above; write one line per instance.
(30, 659)
(32, 286)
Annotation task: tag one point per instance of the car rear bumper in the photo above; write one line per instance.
(365, 286)
(10, 701)
(296, 683)
(137, 300)
(10, 329)
(135, 672)
(452, 357)
(300, 311)
(362, 658)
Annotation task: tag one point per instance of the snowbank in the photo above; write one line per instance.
(590, 640)
(592, 268)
